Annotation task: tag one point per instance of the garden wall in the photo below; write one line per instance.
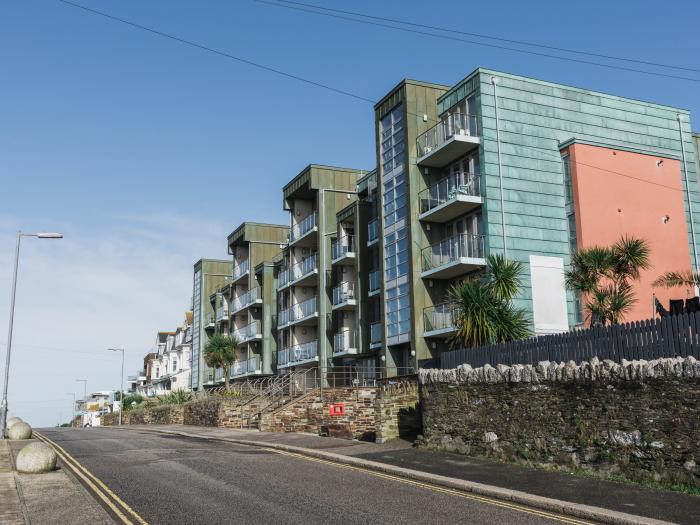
(639, 419)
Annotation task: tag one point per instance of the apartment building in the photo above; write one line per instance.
(251, 303)
(506, 164)
(210, 275)
(304, 269)
(496, 164)
(171, 365)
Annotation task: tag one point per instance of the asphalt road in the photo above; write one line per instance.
(176, 480)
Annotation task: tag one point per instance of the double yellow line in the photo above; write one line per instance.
(119, 509)
(444, 490)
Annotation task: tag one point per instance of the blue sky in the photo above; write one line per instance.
(146, 153)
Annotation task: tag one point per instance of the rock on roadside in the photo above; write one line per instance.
(36, 458)
(19, 430)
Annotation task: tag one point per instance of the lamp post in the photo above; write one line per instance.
(3, 403)
(121, 385)
(84, 382)
(72, 410)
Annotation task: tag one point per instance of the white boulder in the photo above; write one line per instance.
(36, 458)
(19, 430)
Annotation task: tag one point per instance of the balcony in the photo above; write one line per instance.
(283, 277)
(372, 232)
(298, 354)
(283, 318)
(246, 300)
(210, 323)
(344, 296)
(453, 257)
(345, 343)
(451, 197)
(303, 313)
(343, 250)
(304, 232)
(454, 136)
(249, 332)
(222, 313)
(439, 320)
(247, 367)
(304, 272)
(375, 283)
(375, 335)
(240, 270)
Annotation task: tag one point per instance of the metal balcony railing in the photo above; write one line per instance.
(249, 366)
(247, 333)
(303, 268)
(372, 231)
(343, 246)
(297, 353)
(246, 299)
(304, 309)
(343, 293)
(211, 320)
(375, 333)
(374, 281)
(283, 317)
(303, 227)
(241, 268)
(449, 189)
(344, 341)
(454, 124)
(221, 313)
(283, 276)
(439, 317)
(452, 249)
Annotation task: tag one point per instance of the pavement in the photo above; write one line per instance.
(637, 500)
(176, 480)
(43, 499)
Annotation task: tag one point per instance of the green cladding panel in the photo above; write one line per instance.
(535, 118)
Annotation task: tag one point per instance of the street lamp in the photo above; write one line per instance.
(121, 385)
(3, 403)
(84, 382)
(72, 410)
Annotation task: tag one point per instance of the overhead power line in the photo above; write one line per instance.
(496, 38)
(299, 78)
(316, 11)
(218, 52)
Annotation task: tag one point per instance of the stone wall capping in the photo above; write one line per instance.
(550, 371)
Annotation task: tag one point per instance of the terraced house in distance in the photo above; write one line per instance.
(500, 163)
(210, 275)
(304, 303)
(251, 296)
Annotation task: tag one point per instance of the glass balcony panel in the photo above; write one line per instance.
(449, 189)
(303, 227)
(343, 293)
(241, 268)
(450, 126)
(372, 231)
(453, 249)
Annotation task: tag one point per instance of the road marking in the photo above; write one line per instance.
(435, 488)
(126, 514)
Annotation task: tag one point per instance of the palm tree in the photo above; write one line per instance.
(673, 279)
(604, 276)
(483, 307)
(220, 352)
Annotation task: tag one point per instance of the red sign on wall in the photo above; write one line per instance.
(336, 409)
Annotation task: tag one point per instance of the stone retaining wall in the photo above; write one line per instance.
(639, 419)
(309, 413)
(397, 410)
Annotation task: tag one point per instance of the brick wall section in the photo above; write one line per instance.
(639, 419)
(310, 412)
(109, 420)
(166, 415)
(397, 410)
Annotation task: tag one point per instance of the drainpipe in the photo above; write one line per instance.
(494, 81)
(687, 192)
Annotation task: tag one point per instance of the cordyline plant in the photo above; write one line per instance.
(673, 279)
(484, 312)
(220, 352)
(604, 276)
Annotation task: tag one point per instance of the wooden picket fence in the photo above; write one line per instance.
(649, 339)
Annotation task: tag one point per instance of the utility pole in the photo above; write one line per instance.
(72, 409)
(121, 385)
(3, 402)
(84, 382)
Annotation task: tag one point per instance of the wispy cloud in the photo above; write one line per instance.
(111, 283)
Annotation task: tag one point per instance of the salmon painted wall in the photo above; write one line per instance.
(650, 205)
